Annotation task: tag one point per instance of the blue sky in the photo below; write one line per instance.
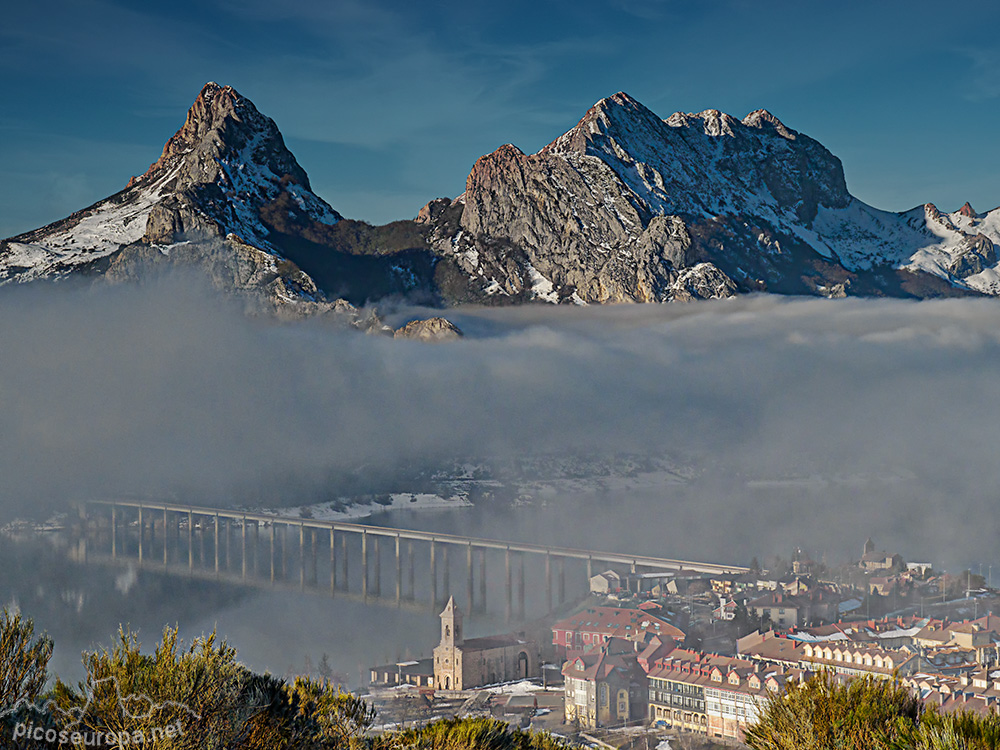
(387, 105)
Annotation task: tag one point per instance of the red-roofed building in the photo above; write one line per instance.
(605, 687)
(594, 626)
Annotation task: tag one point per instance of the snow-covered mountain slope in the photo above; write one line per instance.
(959, 247)
(628, 207)
(82, 238)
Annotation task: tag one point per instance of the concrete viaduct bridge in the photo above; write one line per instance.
(266, 549)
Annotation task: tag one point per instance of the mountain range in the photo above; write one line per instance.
(624, 207)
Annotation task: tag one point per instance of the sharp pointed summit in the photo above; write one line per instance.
(761, 119)
(219, 126)
(228, 164)
(225, 173)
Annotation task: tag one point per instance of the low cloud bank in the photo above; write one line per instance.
(810, 422)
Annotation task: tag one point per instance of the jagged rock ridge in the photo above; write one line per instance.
(628, 207)
(623, 207)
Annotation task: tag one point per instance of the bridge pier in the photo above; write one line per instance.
(256, 547)
(283, 540)
(343, 550)
(243, 546)
(333, 561)
(413, 569)
(447, 570)
(548, 581)
(364, 564)
(152, 532)
(434, 577)
(302, 556)
(312, 553)
(272, 551)
(509, 588)
(378, 568)
(482, 578)
(470, 577)
(399, 574)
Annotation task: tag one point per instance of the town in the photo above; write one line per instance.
(690, 658)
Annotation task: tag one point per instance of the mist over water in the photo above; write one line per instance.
(809, 423)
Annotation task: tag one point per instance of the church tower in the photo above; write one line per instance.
(451, 624)
(448, 673)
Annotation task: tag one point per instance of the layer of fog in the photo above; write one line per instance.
(887, 408)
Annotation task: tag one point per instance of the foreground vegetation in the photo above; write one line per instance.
(200, 697)
(864, 714)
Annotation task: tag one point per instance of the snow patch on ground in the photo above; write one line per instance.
(341, 511)
(524, 687)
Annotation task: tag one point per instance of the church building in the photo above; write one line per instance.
(461, 663)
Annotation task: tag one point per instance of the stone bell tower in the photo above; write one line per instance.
(451, 624)
(448, 654)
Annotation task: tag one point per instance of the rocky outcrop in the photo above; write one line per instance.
(702, 281)
(431, 329)
(967, 211)
(265, 283)
(973, 256)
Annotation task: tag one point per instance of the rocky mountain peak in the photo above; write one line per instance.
(967, 210)
(764, 120)
(225, 181)
(716, 123)
(622, 206)
(613, 124)
(433, 330)
(224, 126)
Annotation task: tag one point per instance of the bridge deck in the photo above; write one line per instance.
(646, 561)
